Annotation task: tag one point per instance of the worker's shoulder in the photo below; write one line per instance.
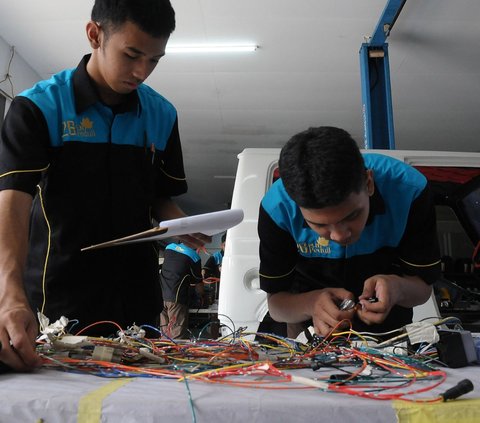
(149, 97)
(183, 250)
(391, 170)
(58, 85)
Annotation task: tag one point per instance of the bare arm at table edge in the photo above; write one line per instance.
(18, 325)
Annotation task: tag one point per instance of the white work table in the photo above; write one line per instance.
(51, 396)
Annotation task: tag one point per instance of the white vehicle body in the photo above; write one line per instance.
(241, 301)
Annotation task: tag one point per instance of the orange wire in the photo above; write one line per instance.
(99, 323)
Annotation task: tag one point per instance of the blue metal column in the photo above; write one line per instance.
(377, 107)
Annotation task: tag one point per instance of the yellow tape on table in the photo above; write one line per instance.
(458, 411)
(90, 405)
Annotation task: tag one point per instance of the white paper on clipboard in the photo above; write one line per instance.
(207, 223)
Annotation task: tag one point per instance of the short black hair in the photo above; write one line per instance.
(321, 167)
(224, 237)
(154, 17)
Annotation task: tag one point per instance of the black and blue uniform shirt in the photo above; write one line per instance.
(399, 238)
(212, 266)
(94, 172)
(181, 268)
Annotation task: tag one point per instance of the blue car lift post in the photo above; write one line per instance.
(375, 77)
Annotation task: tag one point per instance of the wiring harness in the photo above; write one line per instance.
(343, 362)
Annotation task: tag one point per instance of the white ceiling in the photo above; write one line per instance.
(305, 73)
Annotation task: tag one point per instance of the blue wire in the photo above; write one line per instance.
(192, 408)
(159, 331)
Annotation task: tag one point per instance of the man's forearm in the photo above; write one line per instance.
(14, 223)
(288, 307)
(413, 291)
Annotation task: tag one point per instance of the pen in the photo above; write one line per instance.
(152, 146)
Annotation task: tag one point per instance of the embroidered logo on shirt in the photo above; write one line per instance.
(321, 246)
(322, 242)
(82, 129)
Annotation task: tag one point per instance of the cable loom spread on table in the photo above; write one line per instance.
(342, 362)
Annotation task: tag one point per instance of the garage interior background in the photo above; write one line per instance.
(305, 72)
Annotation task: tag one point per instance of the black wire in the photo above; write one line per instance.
(8, 76)
(460, 288)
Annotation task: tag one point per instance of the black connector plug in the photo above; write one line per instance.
(462, 387)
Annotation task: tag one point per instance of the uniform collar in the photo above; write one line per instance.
(86, 94)
(377, 205)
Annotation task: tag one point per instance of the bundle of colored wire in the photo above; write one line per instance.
(269, 362)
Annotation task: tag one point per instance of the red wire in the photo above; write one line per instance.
(99, 323)
(476, 256)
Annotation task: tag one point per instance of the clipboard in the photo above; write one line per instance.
(206, 223)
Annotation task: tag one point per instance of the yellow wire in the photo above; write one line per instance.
(235, 366)
(352, 332)
(48, 247)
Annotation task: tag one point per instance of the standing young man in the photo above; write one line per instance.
(341, 225)
(90, 155)
(181, 270)
(213, 269)
(213, 265)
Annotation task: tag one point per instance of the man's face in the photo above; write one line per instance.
(125, 58)
(345, 222)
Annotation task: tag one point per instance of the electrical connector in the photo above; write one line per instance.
(456, 348)
(323, 360)
(463, 387)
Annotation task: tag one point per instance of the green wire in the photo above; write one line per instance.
(190, 400)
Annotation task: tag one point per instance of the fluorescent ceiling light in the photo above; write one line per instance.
(211, 48)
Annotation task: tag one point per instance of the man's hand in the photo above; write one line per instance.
(18, 330)
(385, 290)
(390, 290)
(321, 305)
(18, 326)
(325, 311)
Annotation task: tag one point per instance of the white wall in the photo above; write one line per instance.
(22, 75)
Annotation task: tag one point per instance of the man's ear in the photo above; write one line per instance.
(370, 183)
(94, 34)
